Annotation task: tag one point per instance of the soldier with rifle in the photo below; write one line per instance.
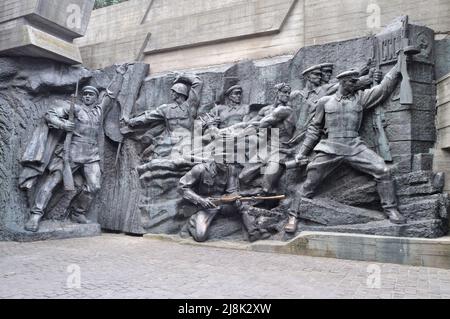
(67, 143)
(214, 187)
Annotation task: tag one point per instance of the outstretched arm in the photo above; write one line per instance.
(376, 95)
(151, 118)
(278, 115)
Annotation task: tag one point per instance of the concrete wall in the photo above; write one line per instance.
(13, 9)
(196, 33)
(442, 151)
(53, 13)
(43, 28)
(336, 20)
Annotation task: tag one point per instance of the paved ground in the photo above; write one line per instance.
(116, 266)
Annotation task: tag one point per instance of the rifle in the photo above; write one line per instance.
(234, 198)
(382, 145)
(67, 170)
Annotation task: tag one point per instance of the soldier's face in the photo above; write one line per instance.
(326, 76)
(315, 78)
(349, 84)
(236, 96)
(173, 95)
(284, 95)
(89, 98)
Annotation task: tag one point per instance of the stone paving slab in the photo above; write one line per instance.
(119, 266)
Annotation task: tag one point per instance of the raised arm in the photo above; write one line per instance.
(113, 89)
(376, 95)
(196, 88)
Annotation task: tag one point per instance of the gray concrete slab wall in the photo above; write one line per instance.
(196, 33)
(13, 9)
(43, 28)
(442, 150)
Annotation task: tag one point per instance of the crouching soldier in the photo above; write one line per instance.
(214, 180)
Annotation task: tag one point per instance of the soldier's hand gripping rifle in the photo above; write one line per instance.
(69, 184)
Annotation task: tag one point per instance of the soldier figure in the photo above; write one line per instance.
(223, 124)
(305, 101)
(205, 181)
(366, 76)
(327, 72)
(84, 152)
(231, 113)
(341, 115)
(277, 116)
(175, 117)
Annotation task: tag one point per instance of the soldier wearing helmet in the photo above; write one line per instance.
(175, 117)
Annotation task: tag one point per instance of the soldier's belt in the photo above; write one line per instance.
(344, 134)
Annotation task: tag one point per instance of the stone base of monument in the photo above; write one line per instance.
(405, 251)
(50, 229)
(433, 228)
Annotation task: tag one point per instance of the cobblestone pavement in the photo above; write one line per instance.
(118, 266)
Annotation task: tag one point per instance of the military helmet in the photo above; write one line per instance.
(181, 88)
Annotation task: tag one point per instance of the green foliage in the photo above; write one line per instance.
(105, 3)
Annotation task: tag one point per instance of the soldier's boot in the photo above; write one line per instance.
(32, 224)
(79, 207)
(258, 235)
(255, 232)
(395, 216)
(386, 190)
(41, 201)
(291, 226)
(79, 218)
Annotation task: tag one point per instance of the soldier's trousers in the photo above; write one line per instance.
(200, 223)
(369, 162)
(82, 201)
